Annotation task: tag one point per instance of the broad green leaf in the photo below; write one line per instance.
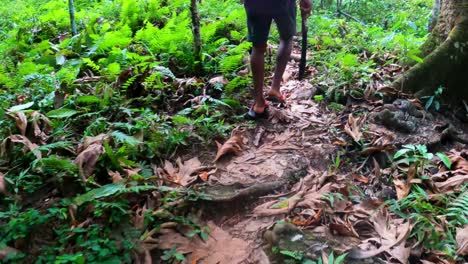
(20, 107)
(60, 59)
(110, 190)
(331, 258)
(400, 153)
(429, 102)
(280, 205)
(62, 113)
(204, 236)
(88, 99)
(444, 159)
(341, 259)
(415, 58)
(422, 149)
(104, 191)
(410, 146)
(293, 254)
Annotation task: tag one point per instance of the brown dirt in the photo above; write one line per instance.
(304, 139)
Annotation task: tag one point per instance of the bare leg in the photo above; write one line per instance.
(257, 63)
(284, 54)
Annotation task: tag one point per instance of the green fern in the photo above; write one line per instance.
(124, 138)
(111, 190)
(54, 164)
(126, 84)
(237, 84)
(91, 64)
(458, 209)
(88, 99)
(231, 63)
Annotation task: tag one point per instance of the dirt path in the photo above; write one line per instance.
(301, 154)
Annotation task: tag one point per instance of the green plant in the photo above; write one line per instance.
(172, 255)
(331, 197)
(418, 156)
(433, 101)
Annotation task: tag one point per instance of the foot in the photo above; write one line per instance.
(275, 96)
(258, 111)
(259, 108)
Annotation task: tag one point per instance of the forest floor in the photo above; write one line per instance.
(312, 180)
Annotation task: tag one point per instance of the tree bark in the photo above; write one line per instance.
(446, 64)
(196, 36)
(71, 10)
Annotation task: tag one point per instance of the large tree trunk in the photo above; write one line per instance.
(446, 64)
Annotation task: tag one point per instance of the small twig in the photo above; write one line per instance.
(350, 17)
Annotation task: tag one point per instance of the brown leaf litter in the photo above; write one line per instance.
(87, 159)
(185, 173)
(41, 127)
(353, 127)
(2, 184)
(21, 121)
(308, 193)
(220, 247)
(462, 241)
(5, 251)
(403, 186)
(233, 146)
(390, 238)
(21, 140)
(448, 180)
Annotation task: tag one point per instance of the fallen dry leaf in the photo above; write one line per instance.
(21, 122)
(403, 187)
(459, 161)
(2, 183)
(88, 141)
(220, 247)
(187, 169)
(462, 241)
(87, 159)
(340, 143)
(232, 146)
(184, 174)
(115, 175)
(353, 127)
(391, 238)
(5, 251)
(360, 178)
(452, 183)
(342, 228)
(204, 176)
(41, 127)
(22, 140)
(218, 80)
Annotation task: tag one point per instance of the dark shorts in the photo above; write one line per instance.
(260, 14)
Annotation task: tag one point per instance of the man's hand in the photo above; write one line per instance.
(306, 7)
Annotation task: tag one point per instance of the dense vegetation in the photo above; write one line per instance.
(86, 119)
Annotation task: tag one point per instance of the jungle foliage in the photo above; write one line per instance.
(125, 85)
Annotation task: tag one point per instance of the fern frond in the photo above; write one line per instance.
(458, 209)
(124, 138)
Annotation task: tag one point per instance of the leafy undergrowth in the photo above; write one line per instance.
(90, 119)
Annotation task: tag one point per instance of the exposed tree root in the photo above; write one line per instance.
(237, 192)
(446, 66)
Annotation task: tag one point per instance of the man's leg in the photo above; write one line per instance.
(284, 54)
(257, 63)
(286, 23)
(258, 27)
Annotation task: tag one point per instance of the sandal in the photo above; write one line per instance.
(252, 115)
(277, 99)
